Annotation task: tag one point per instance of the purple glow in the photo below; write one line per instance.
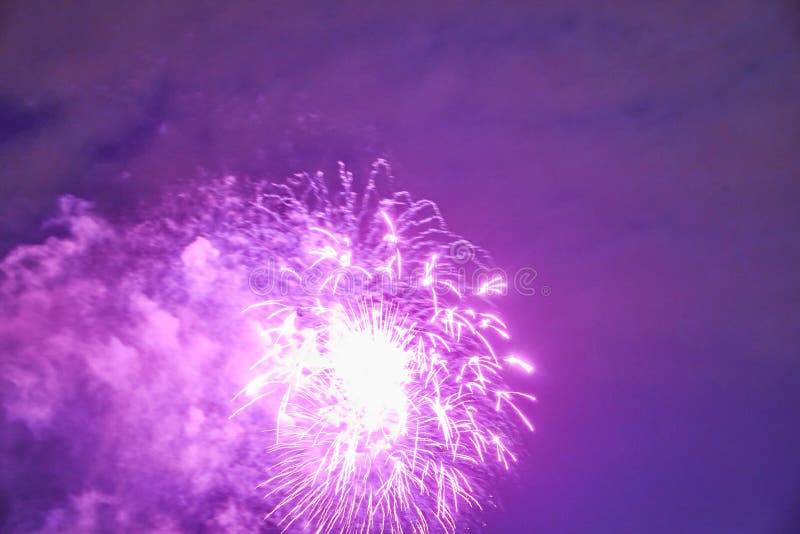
(391, 409)
(633, 166)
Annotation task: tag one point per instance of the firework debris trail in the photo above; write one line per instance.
(122, 346)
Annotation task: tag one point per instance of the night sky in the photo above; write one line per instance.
(642, 157)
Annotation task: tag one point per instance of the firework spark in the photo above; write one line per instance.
(392, 409)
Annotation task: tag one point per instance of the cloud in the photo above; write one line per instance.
(116, 383)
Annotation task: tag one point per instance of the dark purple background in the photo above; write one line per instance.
(643, 157)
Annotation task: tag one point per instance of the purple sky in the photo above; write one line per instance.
(643, 157)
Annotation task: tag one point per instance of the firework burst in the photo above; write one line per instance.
(391, 405)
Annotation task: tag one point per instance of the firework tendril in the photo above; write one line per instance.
(386, 371)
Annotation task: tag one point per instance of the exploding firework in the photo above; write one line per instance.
(386, 368)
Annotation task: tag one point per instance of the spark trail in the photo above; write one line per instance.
(386, 369)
